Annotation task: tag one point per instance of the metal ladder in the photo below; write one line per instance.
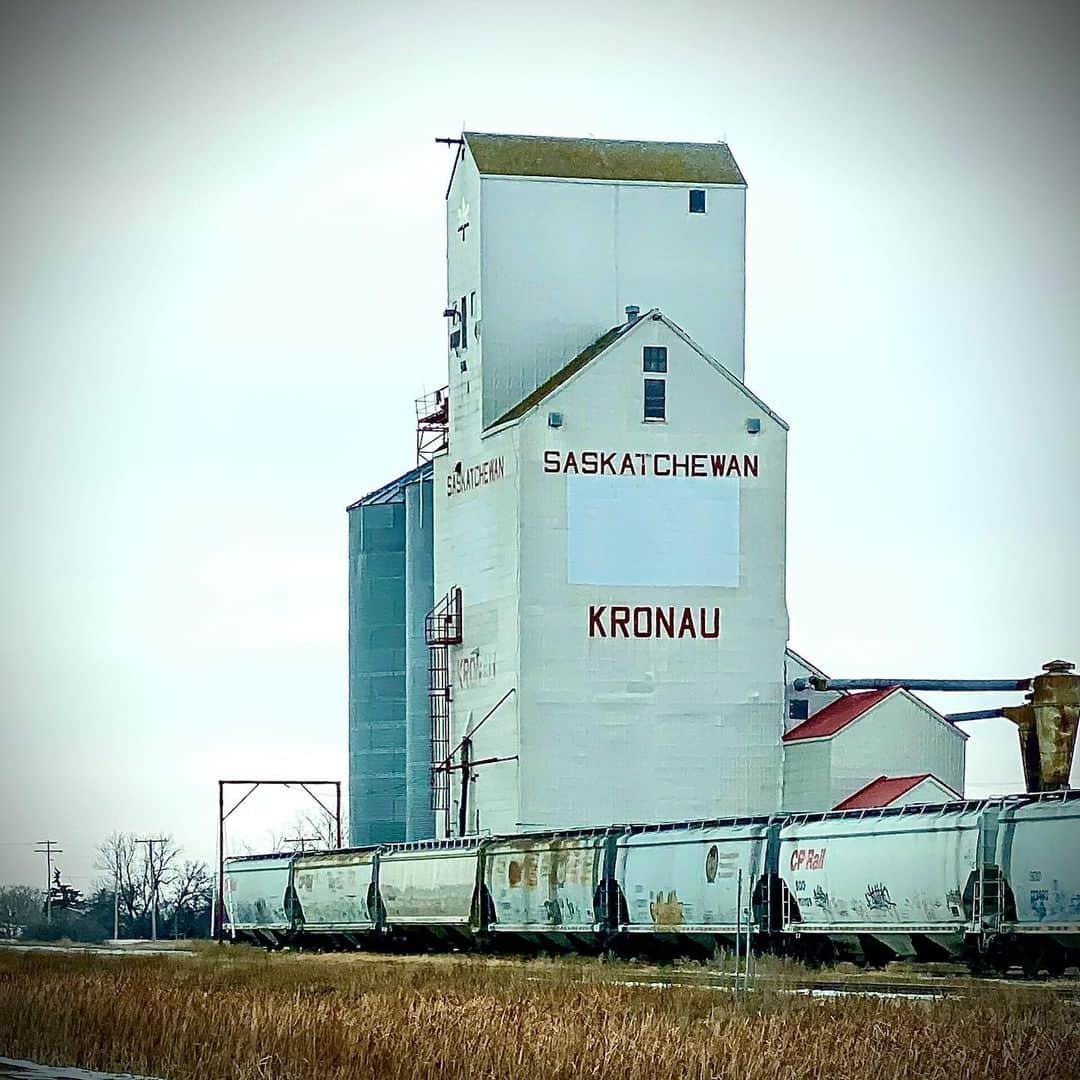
(987, 900)
(442, 628)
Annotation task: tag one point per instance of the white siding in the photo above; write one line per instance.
(925, 791)
(900, 736)
(476, 549)
(650, 729)
(476, 546)
(647, 729)
(796, 667)
(562, 260)
(806, 776)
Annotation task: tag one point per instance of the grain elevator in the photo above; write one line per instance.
(572, 611)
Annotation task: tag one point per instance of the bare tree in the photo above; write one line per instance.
(120, 861)
(20, 905)
(311, 830)
(138, 872)
(188, 895)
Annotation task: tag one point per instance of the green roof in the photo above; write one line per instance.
(603, 159)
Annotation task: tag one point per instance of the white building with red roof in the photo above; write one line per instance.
(899, 791)
(833, 759)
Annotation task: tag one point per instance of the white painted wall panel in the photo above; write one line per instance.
(807, 784)
(647, 728)
(563, 259)
(618, 531)
(899, 737)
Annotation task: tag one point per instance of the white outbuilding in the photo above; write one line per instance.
(836, 756)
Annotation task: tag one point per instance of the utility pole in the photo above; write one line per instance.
(48, 849)
(116, 897)
(153, 884)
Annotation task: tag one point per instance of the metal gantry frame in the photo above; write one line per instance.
(223, 816)
(432, 424)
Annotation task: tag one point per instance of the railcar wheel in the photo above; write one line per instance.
(1053, 959)
(1031, 960)
(818, 952)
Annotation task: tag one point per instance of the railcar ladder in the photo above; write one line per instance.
(442, 628)
(987, 900)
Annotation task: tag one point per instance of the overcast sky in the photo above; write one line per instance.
(222, 286)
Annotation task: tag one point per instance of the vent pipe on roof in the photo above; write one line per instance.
(633, 313)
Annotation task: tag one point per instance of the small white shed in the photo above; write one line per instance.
(852, 742)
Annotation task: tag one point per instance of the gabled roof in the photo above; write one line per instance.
(604, 342)
(394, 491)
(550, 385)
(837, 715)
(887, 789)
(603, 159)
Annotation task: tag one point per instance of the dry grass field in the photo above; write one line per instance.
(239, 1013)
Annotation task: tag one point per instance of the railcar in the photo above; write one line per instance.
(258, 898)
(547, 890)
(694, 887)
(1037, 850)
(880, 884)
(337, 895)
(428, 891)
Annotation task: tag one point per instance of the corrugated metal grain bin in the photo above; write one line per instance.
(336, 891)
(390, 586)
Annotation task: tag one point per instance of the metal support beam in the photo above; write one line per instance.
(820, 682)
(224, 815)
(975, 714)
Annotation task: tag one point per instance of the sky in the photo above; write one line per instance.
(221, 287)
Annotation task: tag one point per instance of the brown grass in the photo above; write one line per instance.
(239, 1013)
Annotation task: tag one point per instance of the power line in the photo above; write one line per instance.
(153, 883)
(48, 848)
(302, 840)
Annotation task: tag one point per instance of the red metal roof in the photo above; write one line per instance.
(837, 715)
(885, 790)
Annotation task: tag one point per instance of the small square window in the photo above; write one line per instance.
(697, 201)
(655, 399)
(655, 358)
